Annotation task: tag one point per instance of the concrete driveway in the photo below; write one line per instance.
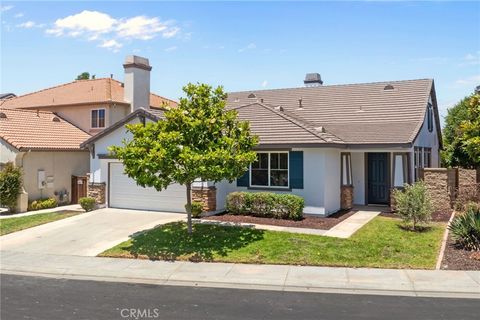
(87, 234)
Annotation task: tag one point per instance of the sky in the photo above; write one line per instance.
(243, 45)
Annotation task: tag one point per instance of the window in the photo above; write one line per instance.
(346, 178)
(422, 159)
(270, 170)
(98, 118)
(430, 117)
(400, 169)
(418, 162)
(427, 157)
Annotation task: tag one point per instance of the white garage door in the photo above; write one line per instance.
(125, 193)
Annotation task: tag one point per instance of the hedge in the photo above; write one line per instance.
(87, 203)
(266, 204)
(43, 204)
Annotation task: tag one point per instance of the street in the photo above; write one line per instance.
(46, 298)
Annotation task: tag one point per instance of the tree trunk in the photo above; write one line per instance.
(189, 207)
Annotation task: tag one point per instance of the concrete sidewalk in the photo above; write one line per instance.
(433, 283)
(71, 207)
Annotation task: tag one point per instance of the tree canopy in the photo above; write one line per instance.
(198, 140)
(461, 134)
(85, 76)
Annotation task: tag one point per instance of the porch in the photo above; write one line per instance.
(368, 177)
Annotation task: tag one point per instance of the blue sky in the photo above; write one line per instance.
(242, 46)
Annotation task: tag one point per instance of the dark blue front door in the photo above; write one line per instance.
(377, 178)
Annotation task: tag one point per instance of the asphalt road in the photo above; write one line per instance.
(45, 298)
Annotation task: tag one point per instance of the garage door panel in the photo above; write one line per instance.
(125, 193)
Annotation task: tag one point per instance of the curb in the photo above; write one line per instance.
(243, 286)
(444, 243)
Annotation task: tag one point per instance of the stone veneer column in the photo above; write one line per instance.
(96, 191)
(206, 195)
(346, 197)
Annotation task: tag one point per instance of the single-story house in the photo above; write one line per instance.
(47, 148)
(336, 146)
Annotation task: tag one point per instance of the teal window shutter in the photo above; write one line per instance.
(296, 169)
(243, 181)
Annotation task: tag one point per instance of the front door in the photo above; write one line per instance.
(378, 190)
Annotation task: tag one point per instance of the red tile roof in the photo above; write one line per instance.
(32, 130)
(102, 90)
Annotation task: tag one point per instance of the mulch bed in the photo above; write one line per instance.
(308, 221)
(438, 216)
(458, 259)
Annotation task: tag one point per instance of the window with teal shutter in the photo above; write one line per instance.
(296, 169)
(243, 180)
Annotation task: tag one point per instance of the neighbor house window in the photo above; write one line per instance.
(98, 118)
(346, 177)
(270, 170)
(400, 169)
(430, 117)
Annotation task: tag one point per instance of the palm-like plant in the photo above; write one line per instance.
(465, 228)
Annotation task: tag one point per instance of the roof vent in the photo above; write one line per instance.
(3, 115)
(313, 80)
(300, 105)
(236, 100)
(320, 129)
(252, 95)
(279, 108)
(388, 87)
(56, 119)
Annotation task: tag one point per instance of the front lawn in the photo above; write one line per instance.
(10, 225)
(381, 243)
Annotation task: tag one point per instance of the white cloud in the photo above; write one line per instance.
(99, 26)
(250, 46)
(145, 28)
(111, 44)
(83, 22)
(30, 24)
(18, 15)
(471, 59)
(170, 49)
(264, 83)
(469, 81)
(5, 8)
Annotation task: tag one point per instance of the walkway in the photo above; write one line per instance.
(434, 283)
(72, 207)
(350, 225)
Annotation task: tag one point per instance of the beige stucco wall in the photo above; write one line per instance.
(60, 165)
(81, 115)
(7, 152)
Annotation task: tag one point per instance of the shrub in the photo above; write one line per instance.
(197, 209)
(465, 228)
(87, 203)
(467, 194)
(10, 185)
(413, 204)
(43, 204)
(266, 204)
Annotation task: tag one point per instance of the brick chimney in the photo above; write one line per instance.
(137, 82)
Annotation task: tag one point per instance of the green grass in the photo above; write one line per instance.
(382, 243)
(10, 225)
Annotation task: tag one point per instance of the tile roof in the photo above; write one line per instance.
(28, 129)
(102, 90)
(274, 127)
(354, 114)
